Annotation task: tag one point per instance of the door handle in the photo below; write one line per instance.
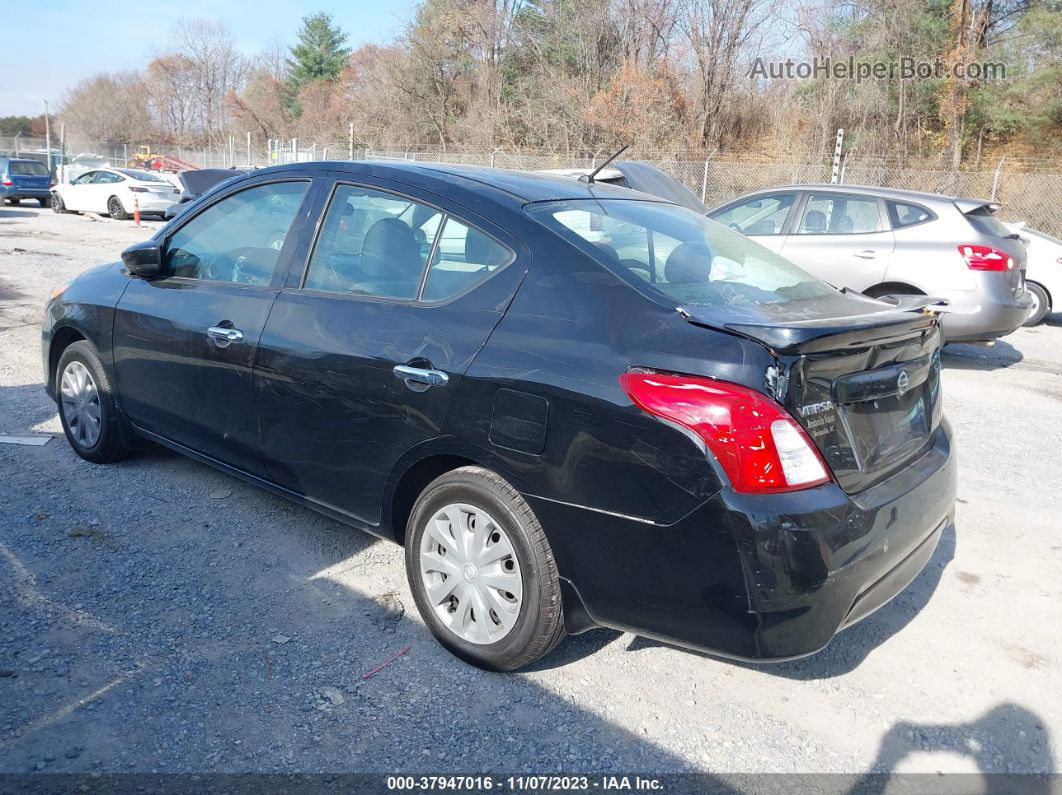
(223, 337)
(420, 375)
(866, 254)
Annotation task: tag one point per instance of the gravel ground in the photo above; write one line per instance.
(157, 615)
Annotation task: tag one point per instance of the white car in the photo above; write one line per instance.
(1043, 276)
(116, 192)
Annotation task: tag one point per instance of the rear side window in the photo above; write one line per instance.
(763, 215)
(27, 168)
(372, 243)
(902, 214)
(463, 257)
(834, 214)
(986, 223)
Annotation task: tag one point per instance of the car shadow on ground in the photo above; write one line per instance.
(968, 356)
(850, 647)
(276, 634)
(977, 740)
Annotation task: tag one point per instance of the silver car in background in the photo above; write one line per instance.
(880, 241)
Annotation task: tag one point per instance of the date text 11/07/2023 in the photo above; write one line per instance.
(528, 783)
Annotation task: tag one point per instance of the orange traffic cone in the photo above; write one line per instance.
(136, 211)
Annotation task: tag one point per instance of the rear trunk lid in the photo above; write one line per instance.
(981, 216)
(29, 174)
(865, 386)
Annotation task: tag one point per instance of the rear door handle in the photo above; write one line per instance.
(420, 375)
(223, 337)
(866, 254)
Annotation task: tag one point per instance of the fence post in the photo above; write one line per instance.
(492, 154)
(294, 150)
(837, 156)
(248, 148)
(995, 178)
(350, 141)
(704, 181)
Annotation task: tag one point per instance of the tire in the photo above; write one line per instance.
(115, 209)
(43, 203)
(57, 204)
(14, 202)
(534, 615)
(1042, 304)
(111, 441)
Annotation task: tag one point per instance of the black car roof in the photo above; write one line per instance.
(519, 186)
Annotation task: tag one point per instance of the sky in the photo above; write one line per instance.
(49, 47)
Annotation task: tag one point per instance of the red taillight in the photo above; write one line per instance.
(985, 258)
(759, 445)
(7, 182)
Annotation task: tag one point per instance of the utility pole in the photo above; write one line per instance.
(48, 136)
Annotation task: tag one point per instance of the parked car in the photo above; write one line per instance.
(881, 241)
(116, 192)
(196, 182)
(575, 406)
(24, 179)
(641, 177)
(1043, 274)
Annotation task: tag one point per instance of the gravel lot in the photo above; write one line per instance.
(157, 615)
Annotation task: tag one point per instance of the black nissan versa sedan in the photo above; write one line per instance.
(574, 405)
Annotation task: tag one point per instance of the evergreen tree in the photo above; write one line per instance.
(320, 54)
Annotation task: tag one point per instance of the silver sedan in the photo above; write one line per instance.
(880, 241)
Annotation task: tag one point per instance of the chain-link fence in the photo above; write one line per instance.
(1029, 190)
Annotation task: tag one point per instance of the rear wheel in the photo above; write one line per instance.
(1041, 304)
(14, 202)
(115, 209)
(43, 202)
(87, 409)
(482, 572)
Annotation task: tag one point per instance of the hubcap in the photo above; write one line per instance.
(470, 573)
(81, 404)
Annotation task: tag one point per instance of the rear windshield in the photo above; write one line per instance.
(986, 223)
(688, 258)
(142, 176)
(27, 168)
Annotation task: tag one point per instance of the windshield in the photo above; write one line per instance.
(141, 176)
(27, 168)
(690, 259)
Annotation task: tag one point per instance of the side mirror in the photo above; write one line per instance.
(144, 259)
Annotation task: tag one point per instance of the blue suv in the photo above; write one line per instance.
(25, 179)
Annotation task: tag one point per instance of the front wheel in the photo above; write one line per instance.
(115, 209)
(1041, 304)
(482, 572)
(86, 406)
(57, 204)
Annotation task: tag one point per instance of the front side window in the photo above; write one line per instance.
(372, 243)
(85, 178)
(239, 238)
(687, 258)
(833, 214)
(464, 256)
(763, 215)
